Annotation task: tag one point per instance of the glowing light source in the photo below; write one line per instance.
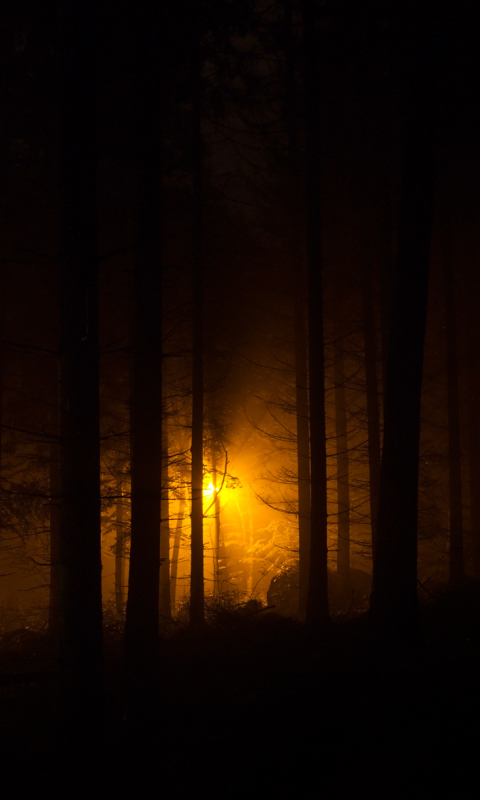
(210, 490)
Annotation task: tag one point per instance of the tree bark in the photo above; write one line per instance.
(141, 628)
(317, 612)
(80, 544)
(394, 605)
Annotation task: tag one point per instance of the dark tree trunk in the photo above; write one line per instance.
(317, 598)
(303, 452)
(216, 520)
(343, 482)
(197, 589)
(175, 551)
(300, 333)
(394, 611)
(119, 548)
(80, 544)
(473, 403)
(456, 561)
(371, 380)
(54, 509)
(141, 629)
(165, 610)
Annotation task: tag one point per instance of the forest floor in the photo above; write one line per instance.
(255, 705)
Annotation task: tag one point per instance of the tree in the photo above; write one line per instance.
(142, 612)
(393, 610)
(80, 552)
(343, 484)
(197, 590)
(317, 598)
(456, 559)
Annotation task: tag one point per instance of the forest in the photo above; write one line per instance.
(239, 393)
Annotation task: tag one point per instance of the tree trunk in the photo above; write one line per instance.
(456, 561)
(165, 610)
(141, 627)
(80, 544)
(176, 550)
(197, 589)
(317, 598)
(343, 484)
(216, 519)
(473, 404)
(303, 453)
(300, 334)
(54, 509)
(119, 548)
(371, 380)
(394, 611)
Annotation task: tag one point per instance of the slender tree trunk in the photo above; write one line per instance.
(80, 544)
(176, 550)
(317, 599)
(343, 482)
(303, 452)
(197, 589)
(54, 509)
(473, 404)
(300, 333)
(456, 560)
(165, 610)
(394, 611)
(216, 539)
(373, 408)
(2, 367)
(119, 548)
(141, 628)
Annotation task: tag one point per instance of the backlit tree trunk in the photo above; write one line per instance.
(216, 520)
(317, 598)
(80, 544)
(473, 404)
(197, 590)
(141, 629)
(119, 547)
(343, 484)
(371, 380)
(300, 308)
(165, 607)
(176, 549)
(303, 452)
(394, 605)
(54, 514)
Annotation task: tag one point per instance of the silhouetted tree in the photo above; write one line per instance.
(371, 385)
(80, 546)
(317, 598)
(197, 589)
(456, 559)
(142, 612)
(393, 609)
(343, 478)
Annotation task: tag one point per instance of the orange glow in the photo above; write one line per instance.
(209, 491)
